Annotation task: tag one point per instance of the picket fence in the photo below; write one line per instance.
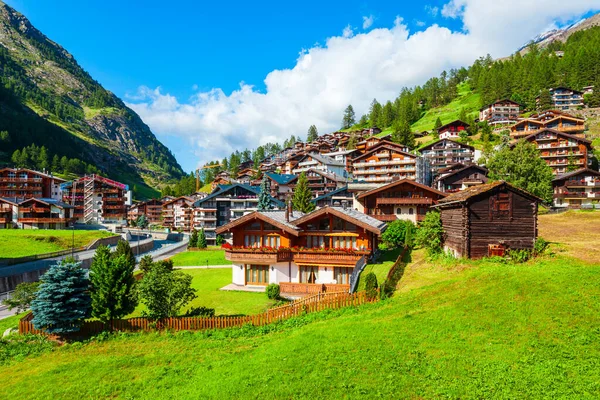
(314, 303)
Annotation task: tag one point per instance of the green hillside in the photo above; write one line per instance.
(454, 329)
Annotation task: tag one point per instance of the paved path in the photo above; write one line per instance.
(205, 267)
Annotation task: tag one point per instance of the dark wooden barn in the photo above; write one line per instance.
(487, 219)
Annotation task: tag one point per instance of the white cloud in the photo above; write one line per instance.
(433, 11)
(453, 9)
(348, 32)
(419, 23)
(368, 21)
(347, 69)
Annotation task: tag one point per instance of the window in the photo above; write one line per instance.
(272, 241)
(342, 275)
(410, 211)
(500, 205)
(257, 274)
(324, 224)
(309, 274)
(255, 226)
(252, 241)
(317, 241)
(344, 242)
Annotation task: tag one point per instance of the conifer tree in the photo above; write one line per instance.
(112, 286)
(193, 239)
(124, 249)
(438, 124)
(402, 134)
(375, 113)
(264, 197)
(142, 221)
(313, 134)
(301, 201)
(201, 239)
(546, 101)
(349, 117)
(62, 301)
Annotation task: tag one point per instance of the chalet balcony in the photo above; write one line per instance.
(380, 163)
(311, 288)
(404, 200)
(21, 180)
(574, 195)
(571, 183)
(42, 220)
(5, 220)
(305, 256)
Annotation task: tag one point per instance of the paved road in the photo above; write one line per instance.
(205, 267)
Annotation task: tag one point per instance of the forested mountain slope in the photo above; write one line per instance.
(47, 99)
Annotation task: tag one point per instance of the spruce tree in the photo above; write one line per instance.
(264, 197)
(402, 134)
(142, 221)
(124, 249)
(438, 124)
(349, 117)
(62, 302)
(301, 200)
(375, 113)
(313, 134)
(193, 239)
(112, 286)
(352, 142)
(545, 100)
(201, 239)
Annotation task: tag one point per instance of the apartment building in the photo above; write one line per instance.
(320, 182)
(550, 119)
(501, 112)
(320, 162)
(225, 204)
(344, 157)
(44, 214)
(446, 152)
(26, 184)
(97, 199)
(459, 177)
(561, 150)
(565, 98)
(577, 189)
(384, 163)
(177, 214)
(152, 209)
(339, 197)
(452, 130)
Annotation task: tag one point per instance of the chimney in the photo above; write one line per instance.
(288, 210)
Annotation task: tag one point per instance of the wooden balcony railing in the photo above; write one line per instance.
(42, 220)
(311, 288)
(404, 200)
(299, 256)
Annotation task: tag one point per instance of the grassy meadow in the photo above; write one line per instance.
(27, 242)
(213, 255)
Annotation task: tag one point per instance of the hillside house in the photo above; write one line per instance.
(501, 112)
(385, 163)
(44, 214)
(551, 119)
(336, 198)
(246, 175)
(320, 182)
(302, 253)
(344, 157)
(446, 152)
(369, 143)
(452, 130)
(320, 162)
(281, 185)
(560, 149)
(97, 199)
(459, 177)
(26, 184)
(177, 214)
(9, 212)
(152, 209)
(487, 219)
(577, 189)
(565, 98)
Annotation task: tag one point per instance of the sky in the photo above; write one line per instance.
(210, 78)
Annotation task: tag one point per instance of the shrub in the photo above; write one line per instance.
(219, 240)
(398, 233)
(200, 312)
(145, 263)
(193, 239)
(519, 255)
(273, 291)
(371, 285)
(539, 246)
(22, 297)
(431, 233)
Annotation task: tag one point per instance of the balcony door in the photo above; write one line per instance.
(257, 274)
(309, 274)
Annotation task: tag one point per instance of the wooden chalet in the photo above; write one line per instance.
(500, 112)
(320, 182)
(385, 162)
(452, 130)
(246, 175)
(281, 185)
(152, 209)
(459, 177)
(9, 211)
(337, 198)
(551, 119)
(404, 199)
(577, 189)
(44, 214)
(445, 152)
(487, 219)
(370, 142)
(303, 253)
(26, 183)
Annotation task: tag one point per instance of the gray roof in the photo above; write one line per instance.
(279, 216)
(325, 159)
(375, 223)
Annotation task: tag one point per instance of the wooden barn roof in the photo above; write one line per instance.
(474, 191)
(399, 182)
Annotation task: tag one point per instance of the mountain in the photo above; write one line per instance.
(543, 40)
(47, 99)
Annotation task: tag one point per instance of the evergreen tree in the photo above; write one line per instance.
(201, 239)
(388, 115)
(124, 249)
(402, 134)
(264, 197)
(572, 164)
(352, 142)
(438, 124)
(545, 101)
(145, 263)
(463, 115)
(349, 117)
(523, 167)
(193, 239)
(55, 167)
(62, 302)
(219, 240)
(364, 121)
(302, 197)
(112, 286)
(4, 137)
(313, 134)
(142, 221)
(375, 113)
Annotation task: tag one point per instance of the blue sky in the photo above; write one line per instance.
(222, 76)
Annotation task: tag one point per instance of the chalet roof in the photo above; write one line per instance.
(281, 179)
(530, 120)
(474, 191)
(575, 173)
(385, 146)
(34, 172)
(226, 188)
(455, 122)
(348, 214)
(12, 200)
(330, 194)
(274, 217)
(475, 166)
(565, 88)
(322, 159)
(333, 177)
(446, 140)
(399, 182)
(451, 168)
(558, 133)
(187, 200)
(49, 202)
(500, 101)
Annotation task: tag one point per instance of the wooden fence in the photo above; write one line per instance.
(314, 303)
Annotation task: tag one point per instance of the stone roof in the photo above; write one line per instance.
(473, 191)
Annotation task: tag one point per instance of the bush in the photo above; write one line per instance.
(371, 285)
(273, 291)
(200, 312)
(519, 255)
(398, 233)
(431, 233)
(193, 239)
(219, 240)
(540, 246)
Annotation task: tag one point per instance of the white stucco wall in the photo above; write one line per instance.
(404, 215)
(237, 274)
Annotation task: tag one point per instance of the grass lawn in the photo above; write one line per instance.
(27, 242)
(10, 322)
(213, 255)
(381, 270)
(207, 282)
